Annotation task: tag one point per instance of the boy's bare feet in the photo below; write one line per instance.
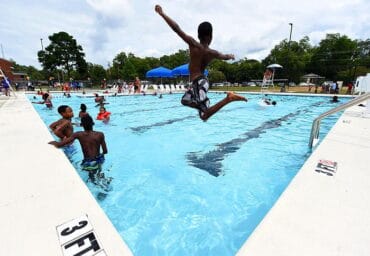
(235, 97)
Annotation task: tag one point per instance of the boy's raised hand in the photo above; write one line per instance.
(158, 9)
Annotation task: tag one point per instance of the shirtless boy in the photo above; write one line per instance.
(46, 99)
(200, 56)
(63, 127)
(90, 142)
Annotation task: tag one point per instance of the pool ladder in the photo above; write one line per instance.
(315, 130)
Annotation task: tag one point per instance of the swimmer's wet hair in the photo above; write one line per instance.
(204, 29)
(62, 109)
(87, 122)
(83, 107)
(45, 96)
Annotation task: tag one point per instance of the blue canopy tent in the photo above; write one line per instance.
(159, 72)
(183, 70)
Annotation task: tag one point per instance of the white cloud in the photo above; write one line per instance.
(111, 8)
(106, 27)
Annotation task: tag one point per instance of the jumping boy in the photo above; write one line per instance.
(63, 127)
(200, 56)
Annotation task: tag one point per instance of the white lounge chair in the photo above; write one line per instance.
(167, 87)
(161, 87)
(155, 87)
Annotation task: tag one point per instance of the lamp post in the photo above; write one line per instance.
(2, 51)
(42, 46)
(290, 39)
(290, 35)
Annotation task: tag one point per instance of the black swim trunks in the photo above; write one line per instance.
(196, 95)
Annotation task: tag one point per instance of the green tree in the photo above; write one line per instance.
(293, 56)
(63, 53)
(361, 60)
(216, 76)
(334, 55)
(247, 70)
(116, 71)
(96, 73)
(129, 71)
(32, 72)
(124, 66)
(175, 60)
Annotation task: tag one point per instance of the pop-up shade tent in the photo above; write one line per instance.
(159, 72)
(183, 70)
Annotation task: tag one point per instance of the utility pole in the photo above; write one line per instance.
(42, 46)
(290, 39)
(290, 35)
(2, 51)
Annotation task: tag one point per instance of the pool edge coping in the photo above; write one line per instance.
(308, 217)
(39, 193)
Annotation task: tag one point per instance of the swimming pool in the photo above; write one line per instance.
(184, 187)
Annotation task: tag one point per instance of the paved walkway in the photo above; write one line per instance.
(320, 214)
(40, 190)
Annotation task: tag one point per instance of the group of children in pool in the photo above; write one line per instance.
(195, 97)
(92, 142)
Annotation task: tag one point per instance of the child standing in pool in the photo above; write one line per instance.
(63, 127)
(103, 115)
(83, 112)
(91, 142)
(46, 99)
(200, 56)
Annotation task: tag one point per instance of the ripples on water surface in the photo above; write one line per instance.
(186, 187)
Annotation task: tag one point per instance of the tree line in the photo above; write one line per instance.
(336, 57)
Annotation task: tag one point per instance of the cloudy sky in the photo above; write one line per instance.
(104, 28)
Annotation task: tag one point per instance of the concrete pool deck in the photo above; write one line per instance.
(40, 190)
(320, 214)
(316, 215)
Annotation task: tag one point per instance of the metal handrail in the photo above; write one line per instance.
(316, 123)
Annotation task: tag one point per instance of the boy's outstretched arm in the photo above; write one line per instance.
(63, 142)
(175, 27)
(221, 56)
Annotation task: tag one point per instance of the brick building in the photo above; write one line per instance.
(7, 67)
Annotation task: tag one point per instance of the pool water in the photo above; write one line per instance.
(175, 185)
